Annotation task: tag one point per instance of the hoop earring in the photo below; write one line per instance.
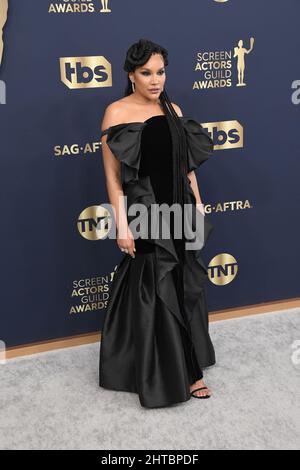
(133, 86)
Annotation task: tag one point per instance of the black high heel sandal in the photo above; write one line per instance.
(196, 389)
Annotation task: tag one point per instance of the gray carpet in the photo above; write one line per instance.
(52, 400)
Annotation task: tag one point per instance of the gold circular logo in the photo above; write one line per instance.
(94, 223)
(222, 269)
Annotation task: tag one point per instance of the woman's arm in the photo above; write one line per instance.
(112, 170)
(195, 188)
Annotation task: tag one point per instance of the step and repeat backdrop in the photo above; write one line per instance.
(233, 65)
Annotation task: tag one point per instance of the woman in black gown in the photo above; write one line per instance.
(155, 340)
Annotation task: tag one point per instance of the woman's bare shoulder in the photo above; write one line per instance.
(177, 109)
(114, 114)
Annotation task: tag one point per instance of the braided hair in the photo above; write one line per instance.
(137, 55)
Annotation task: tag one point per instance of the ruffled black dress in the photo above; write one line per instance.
(155, 339)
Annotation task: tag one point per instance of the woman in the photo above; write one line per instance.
(155, 339)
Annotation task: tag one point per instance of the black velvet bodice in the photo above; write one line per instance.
(156, 157)
(156, 162)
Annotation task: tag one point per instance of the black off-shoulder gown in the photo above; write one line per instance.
(155, 338)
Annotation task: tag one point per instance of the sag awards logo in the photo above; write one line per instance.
(85, 72)
(216, 67)
(3, 18)
(90, 294)
(222, 269)
(79, 6)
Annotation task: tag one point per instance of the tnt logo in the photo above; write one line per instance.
(222, 269)
(225, 134)
(95, 222)
(85, 72)
(2, 352)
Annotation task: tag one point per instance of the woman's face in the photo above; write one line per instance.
(150, 76)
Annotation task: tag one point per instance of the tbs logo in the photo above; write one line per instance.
(85, 72)
(225, 134)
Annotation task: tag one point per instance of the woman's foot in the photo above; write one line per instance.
(200, 393)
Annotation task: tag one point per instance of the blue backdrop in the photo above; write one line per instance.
(56, 269)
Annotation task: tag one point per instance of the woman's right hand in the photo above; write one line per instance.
(127, 243)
